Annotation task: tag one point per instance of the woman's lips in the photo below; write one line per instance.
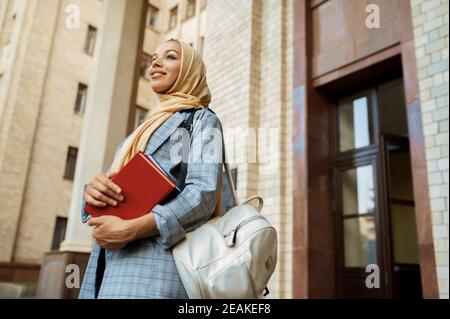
(157, 75)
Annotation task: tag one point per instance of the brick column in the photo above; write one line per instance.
(430, 23)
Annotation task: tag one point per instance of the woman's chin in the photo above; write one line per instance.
(159, 88)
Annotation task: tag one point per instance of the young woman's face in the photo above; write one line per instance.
(166, 62)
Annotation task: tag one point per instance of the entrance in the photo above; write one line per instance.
(373, 199)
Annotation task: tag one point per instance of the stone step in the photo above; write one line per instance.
(17, 290)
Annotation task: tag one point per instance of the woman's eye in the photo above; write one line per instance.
(170, 57)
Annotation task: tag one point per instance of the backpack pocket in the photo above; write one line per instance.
(233, 279)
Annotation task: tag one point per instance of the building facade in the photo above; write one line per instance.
(334, 111)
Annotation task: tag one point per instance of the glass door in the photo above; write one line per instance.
(404, 251)
(358, 227)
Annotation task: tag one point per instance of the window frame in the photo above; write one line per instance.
(187, 14)
(372, 117)
(156, 10)
(57, 240)
(172, 17)
(84, 88)
(69, 170)
(90, 41)
(145, 57)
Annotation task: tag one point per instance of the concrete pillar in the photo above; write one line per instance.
(111, 100)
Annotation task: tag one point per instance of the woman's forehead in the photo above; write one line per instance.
(168, 46)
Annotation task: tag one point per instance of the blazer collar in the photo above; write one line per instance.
(163, 132)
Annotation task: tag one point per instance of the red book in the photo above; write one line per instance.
(144, 185)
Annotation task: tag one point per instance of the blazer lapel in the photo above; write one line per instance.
(163, 132)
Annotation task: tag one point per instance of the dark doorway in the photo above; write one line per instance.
(373, 198)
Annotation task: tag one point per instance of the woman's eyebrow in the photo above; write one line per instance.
(154, 54)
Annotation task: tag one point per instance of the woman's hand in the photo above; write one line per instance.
(102, 191)
(112, 232)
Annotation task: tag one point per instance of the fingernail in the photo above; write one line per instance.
(114, 203)
(120, 197)
(118, 190)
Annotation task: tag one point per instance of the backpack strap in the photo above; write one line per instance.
(188, 124)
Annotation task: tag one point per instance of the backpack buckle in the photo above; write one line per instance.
(188, 127)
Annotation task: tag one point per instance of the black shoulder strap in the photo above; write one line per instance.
(188, 125)
(190, 121)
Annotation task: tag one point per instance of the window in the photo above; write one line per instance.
(355, 122)
(80, 101)
(358, 208)
(190, 9)
(140, 117)
(146, 61)
(152, 16)
(173, 19)
(90, 40)
(59, 233)
(227, 199)
(71, 161)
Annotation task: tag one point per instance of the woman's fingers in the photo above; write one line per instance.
(111, 174)
(102, 188)
(108, 183)
(102, 191)
(92, 201)
(100, 196)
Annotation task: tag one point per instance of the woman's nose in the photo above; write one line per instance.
(157, 62)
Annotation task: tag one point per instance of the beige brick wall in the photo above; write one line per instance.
(275, 111)
(430, 20)
(22, 89)
(249, 61)
(46, 193)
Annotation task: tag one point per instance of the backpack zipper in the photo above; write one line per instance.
(231, 241)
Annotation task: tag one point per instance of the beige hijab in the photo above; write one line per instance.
(190, 90)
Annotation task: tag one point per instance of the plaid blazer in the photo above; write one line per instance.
(145, 268)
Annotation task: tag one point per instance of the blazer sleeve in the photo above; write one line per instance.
(196, 203)
(85, 216)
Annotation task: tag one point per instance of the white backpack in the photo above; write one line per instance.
(230, 256)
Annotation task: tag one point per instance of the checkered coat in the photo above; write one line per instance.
(145, 268)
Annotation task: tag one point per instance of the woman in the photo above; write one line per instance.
(133, 258)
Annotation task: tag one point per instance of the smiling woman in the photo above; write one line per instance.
(133, 258)
(165, 66)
